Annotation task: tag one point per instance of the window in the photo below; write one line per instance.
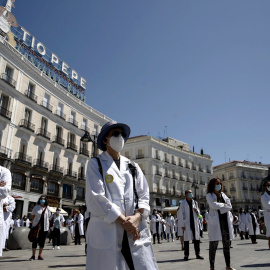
(127, 154)
(23, 147)
(4, 102)
(53, 188)
(44, 124)
(18, 181)
(158, 202)
(84, 124)
(95, 130)
(59, 132)
(67, 191)
(8, 75)
(27, 115)
(46, 102)
(80, 194)
(36, 185)
(60, 110)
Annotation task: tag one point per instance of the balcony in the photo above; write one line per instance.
(139, 156)
(188, 180)
(81, 176)
(166, 160)
(23, 159)
(200, 169)
(180, 164)
(31, 95)
(245, 188)
(194, 168)
(46, 105)
(70, 174)
(167, 175)
(8, 79)
(58, 140)
(174, 162)
(85, 128)
(174, 177)
(159, 173)
(5, 152)
(157, 157)
(187, 166)
(26, 124)
(5, 113)
(73, 122)
(42, 132)
(84, 152)
(57, 170)
(232, 189)
(72, 146)
(208, 171)
(41, 165)
(80, 198)
(202, 182)
(60, 114)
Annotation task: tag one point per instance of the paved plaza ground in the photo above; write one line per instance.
(244, 255)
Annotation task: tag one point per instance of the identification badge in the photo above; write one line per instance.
(108, 178)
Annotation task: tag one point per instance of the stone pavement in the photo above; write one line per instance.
(244, 255)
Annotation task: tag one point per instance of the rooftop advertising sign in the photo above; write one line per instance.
(48, 62)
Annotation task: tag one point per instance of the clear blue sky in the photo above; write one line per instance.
(201, 68)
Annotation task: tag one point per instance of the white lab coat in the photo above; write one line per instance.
(179, 230)
(80, 220)
(10, 202)
(37, 212)
(155, 219)
(170, 224)
(106, 199)
(61, 220)
(266, 206)
(5, 175)
(184, 220)
(17, 223)
(250, 225)
(27, 223)
(242, 222)
(163, 223)
(214, 231)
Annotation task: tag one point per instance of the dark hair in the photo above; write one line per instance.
(46, 201)
(211, 185)
(154, 210)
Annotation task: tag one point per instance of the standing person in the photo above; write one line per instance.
(17, 222)
(78, 223)
(242, 223)
(236, 225)
(117, 195)
(219, 222)
(156, 226)
(5, 187)
(70, 225)
(8, 207)
(180, 231)
(265, 199)
(25, 222)
(40, 213)
(253, 226)
(170, 226)
(163, 228)
(176, 228)
(189, 215)
(57, 221)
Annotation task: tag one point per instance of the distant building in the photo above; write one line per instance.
(241, 182)
(42, 118)
(170, 168)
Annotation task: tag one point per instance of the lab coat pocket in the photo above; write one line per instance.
(100, 234)
(144, 232)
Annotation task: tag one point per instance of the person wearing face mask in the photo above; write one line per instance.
(70, 225)
(265, 199)
(40, 213)
(57, 222)
(156, 226)
(219, 221)
(253, 225)
(242, 223)
(189, 214)
(25, 222)
(117, 195)
(170, 226)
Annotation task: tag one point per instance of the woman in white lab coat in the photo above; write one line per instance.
(5, 187)
(170, 226)
(180, 232)
(70, 225)
(253, 226)
(219, 221)
(242, 224)
(118, 234)
(266, 206)
(78, 226)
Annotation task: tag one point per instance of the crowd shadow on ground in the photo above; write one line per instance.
(256, 265)
(67, 266)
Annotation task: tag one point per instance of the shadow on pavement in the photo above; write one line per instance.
(65, 256)
(244, 244)
(170, 250)
(257, 265)
(174, 261)
(14, 260)
(70, 266)
(264, 249)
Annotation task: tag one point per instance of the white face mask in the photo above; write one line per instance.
(268, 188)
(117, 143)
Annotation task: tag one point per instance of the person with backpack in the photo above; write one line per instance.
(117, 195)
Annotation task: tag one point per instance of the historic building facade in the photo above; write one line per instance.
(170, 168)
(241, 182)
(43, 116)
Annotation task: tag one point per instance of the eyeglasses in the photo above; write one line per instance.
(116, 133)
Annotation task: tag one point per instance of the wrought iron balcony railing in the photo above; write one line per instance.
(31, 95)
(8, 79)
(26, 124)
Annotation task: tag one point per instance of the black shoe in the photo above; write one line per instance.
(231, 247)
(40, 257)
(32, 258)
(5, 249)
(199, 257)
(254, 242)
(186, 258)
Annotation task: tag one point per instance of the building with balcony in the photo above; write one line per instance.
(241, 182)
(170, 168)
(43, 115)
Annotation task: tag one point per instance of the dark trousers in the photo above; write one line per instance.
(41, 240)
(154, 237)
(226, 249)
(253, 238)
(77, 235)
(196, 247)
(236, 229)
(56, 237)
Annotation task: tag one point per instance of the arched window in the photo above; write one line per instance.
(18, 180)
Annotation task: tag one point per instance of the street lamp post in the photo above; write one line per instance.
(90, 138)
